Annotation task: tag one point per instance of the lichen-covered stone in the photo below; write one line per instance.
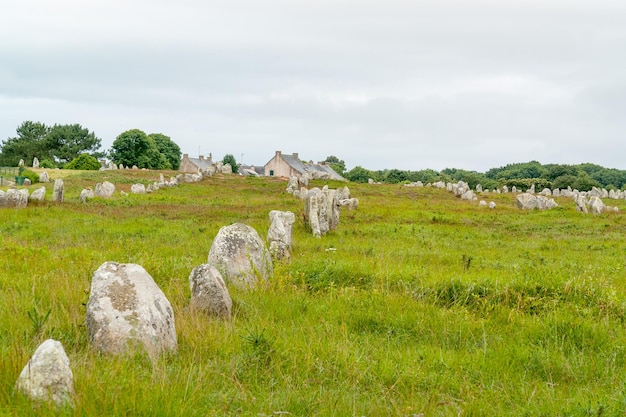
(209, 292)
(127, 309)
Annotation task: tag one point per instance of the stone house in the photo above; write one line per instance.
(193, 165)
(282, 165)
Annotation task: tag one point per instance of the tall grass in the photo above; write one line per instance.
(426, 305)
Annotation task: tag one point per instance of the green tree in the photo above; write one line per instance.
(230, 159)
(168, 148)
(30, 142)
(338, 165)
(83, 161)
(359, 174)
(134, 147)
(67, 142)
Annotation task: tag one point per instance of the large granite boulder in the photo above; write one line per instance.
(43, 177)
(208, 291)
(126, 309)
(240, 255)
(47, 375)
(526, 201)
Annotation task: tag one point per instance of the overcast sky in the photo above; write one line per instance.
(381, 84)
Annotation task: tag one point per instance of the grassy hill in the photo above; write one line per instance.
(428, 306)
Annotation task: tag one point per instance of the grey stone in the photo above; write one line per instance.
(47, 375)
(43, 177)
(85, 194)
(58, 192)
(126, 310)
(35, 162)
(138, 189)
(38, 195)
(208, 291)
(105, 189)
(526, 201)
(292, 185)
(596, 206)
(279, 234)
(492, 205)
(240, 255)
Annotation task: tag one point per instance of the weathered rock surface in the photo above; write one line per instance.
(38, 195)
(526, 201)
(47, 375)
(279, 234)
(596, 205)
(58, 192)
(126, 309)
(43, 177)
(240, 255)
(292, 185)
(105, 189)
(138, 189)
(85, 194)
(208, 291)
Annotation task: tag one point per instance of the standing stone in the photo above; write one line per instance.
(126, 309)
(58, 193)
(292, 185)
(20, 163)
(227, 169)
(514, 189)
(16, 198)
(43, 177)
(85, 194)
(505, 189)
(581, 204)
(332, 208)
(47, 375)
(38, 195)
(240, 255)
(304, 179)
(279, 233)
(343, 193)
(492, 205)
(27, 182)
(35, 162)
(138, 189)
(469, 195)
(208, 291)
(526, 201)
(596, 205)
(479, 188)
(311, 212)
(482, 203)
(105, 189)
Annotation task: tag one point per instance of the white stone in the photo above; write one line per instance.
(35, 162)
(482, 203)
(43, 177)
(596, 206)
(126, 310)
(47, 375)
(240, 255)
(208, 291)
(492, 205)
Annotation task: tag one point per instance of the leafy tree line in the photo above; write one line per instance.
(522, 175)
(52, 145)
(75, 147)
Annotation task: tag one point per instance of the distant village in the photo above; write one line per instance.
(281, 165)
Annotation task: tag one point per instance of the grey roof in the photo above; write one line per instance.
(326, 169)
(201, 163)
(295, 163)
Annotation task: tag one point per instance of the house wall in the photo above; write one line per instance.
(279, 168)
(187, 166)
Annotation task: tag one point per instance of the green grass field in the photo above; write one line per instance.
(429, 306)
